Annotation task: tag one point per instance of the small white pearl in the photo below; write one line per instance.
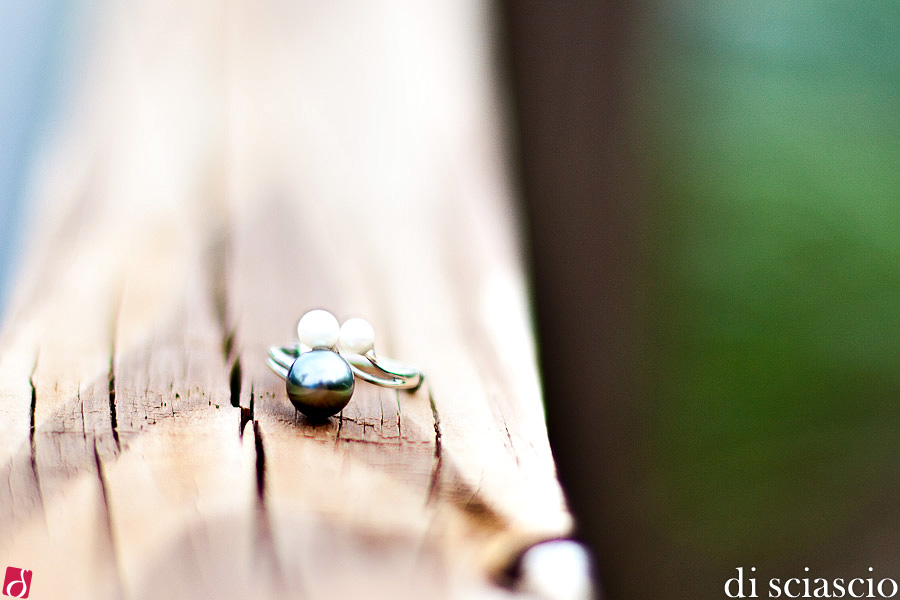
(357, 336)
(318, 329)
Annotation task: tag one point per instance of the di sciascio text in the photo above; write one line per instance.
(747, 584)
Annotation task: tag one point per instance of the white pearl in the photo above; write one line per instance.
(357, 336)
(318, 329)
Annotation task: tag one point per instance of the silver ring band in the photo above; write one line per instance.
(382, 372)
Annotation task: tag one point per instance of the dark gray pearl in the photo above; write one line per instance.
(320, 383)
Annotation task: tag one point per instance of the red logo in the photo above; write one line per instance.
(17, 582)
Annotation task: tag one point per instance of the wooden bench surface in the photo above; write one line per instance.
(224, 168)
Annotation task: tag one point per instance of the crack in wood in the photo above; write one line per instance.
(31, 434)
(438, 457)
(228, 344)
(247, 414)
(234, 382)
(260, 462)
(83, 424)
(111, 372)
(111, 383)
(337, 435)
(399, 415)
(33, 409)
(264, 541)
(217, 255)
(104, 497)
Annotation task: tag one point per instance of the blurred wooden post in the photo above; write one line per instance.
(228, 167)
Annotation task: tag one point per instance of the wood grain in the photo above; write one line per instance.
(228, 167)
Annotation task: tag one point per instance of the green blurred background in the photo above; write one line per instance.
(729, 189)
(770, 133)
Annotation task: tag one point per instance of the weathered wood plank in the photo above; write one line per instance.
(237, 165)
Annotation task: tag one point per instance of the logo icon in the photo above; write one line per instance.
(17, 582)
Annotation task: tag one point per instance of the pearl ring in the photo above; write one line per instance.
(320, 370)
